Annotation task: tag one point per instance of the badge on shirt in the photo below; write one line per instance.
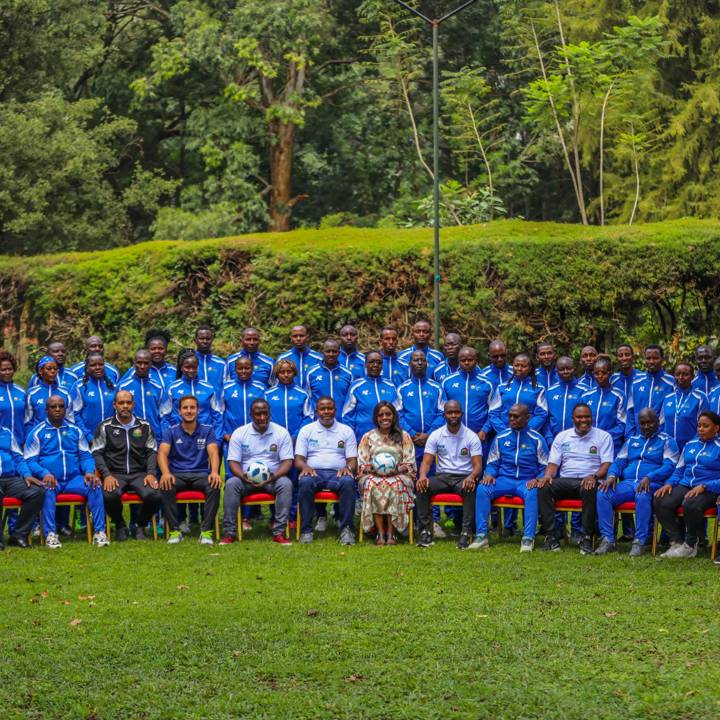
(201, 443)
(341, 444)
(593, 450)
(273, 448)
(464, 452)
(137, 432)
(565, 446)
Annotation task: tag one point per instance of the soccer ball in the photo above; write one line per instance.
(384, 463)
(258, 472)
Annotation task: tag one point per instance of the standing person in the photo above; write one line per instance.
(561, 399)
(459, 466)
(238, 395)
(266, 442)
(451, 363)
(65, 378)
(262, 364)
(326, 459)
(579, 458)
(46, 370)
(58, 455)
(588, 355)
(694, 485)
(644, 463)
(329, 377)
(125, 453)
(421, 332)
(163, 372)
(147, 392)
(92, 396)
(498, 372)
(387, 494)
(365, 394)
(94, 344)
(211, 368)
(626, 373)
(289, 403)
(350, 356)
(682, 407)
(300, 353)
(713, 397)
(650, 389)
(12, 398)
(517, 461)
(606, 403)
(394, 370)
(705, 379)
(546, 371)
(189, 459)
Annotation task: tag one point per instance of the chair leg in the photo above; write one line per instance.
(298, 523)
(410, 533)
(88, 526)
(713, 549)
(217, 526)
(108, 528)
(154, 527)
(501, 522)
(239, 523)
(656, 534)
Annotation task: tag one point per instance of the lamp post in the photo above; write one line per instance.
(435, 24)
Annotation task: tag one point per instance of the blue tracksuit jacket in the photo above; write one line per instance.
(518, 391)
(394, 370)
(518, 455)
(60, 451)
(211, 369)
(36, 399)
(237, 398)
(699, 464)
(12, 462)
(608, 410)
(421, 406)
(561, 399)
(497, 376)
(444, 370)
(354, 361)
(303, 361)
(12, 409)
(92, 402)
(433, 357)
(163, 376)
(362, 398)
(547, 378)
(335, 383)
(680, 414)
(649, 390)
(290, 407)
(210, 404)
(262, 367)
(473, 392)
(624, 382)
(705, 382)
(149, 396)
(655, 457)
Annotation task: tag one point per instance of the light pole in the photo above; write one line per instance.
(435, 24)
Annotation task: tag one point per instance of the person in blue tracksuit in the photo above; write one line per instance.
(650, 389)
(329, 378)
(451, 363)
(644, 463)
(421, 332)
(561, 399)
(58, 455)
(161, 371)
(301, 355)
(36, 399)
(290, 405)
(694, 485)
(188, 383)
(498, 372)
(95, 344)
(211, 367)
(65, 378)
(588, 356)
(546, 372)
(606, 403)
(626, 373)
(683, 406)
(148, 393)
(238, 395)
(12, 398)
(705, 379)
(262, 364)
(394, 370)
(93, 396)
(350, 356)
(365, 394)
(518, 458)
(713, 397)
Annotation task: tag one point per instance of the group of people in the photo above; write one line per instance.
(387, 431)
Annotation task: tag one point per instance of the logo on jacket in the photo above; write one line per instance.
(273, 448)
(593, 450)
(464, 452)
(136, 433)
(341, 444)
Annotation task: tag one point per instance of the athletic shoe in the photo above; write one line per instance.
(438, 532)
(174, 537)
(576, 538)
(347, 536)
(680, 550)
(480, 542)
(52, 541)
(185, 527)
(306, 538)
(100, 539)
(321, 524)
(247, 525)
(206, 537)
(424, 539)
(586, 546)
(36, 532)
(122, 534)
(463, 541)
(605, 547)
(716, 561)
(65, 531)
(551, 544)
(281, 540)
(228, 540)
(140, 533)
(527, 544)
(636, 549)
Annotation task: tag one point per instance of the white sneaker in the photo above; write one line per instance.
(174, 537)
(321, 524)
(680, 550)
(100, 539)
(185, 527)
(527, 544)
(480, 542)
(438, 532)
(52, 541)
(206, 538)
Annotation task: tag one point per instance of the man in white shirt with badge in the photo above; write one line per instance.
(266, 442)
(582, 455)
(459, 466)
(326, 457)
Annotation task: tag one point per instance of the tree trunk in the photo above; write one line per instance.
(282, 139)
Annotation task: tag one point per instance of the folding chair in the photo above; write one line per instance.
(128, 498)
(11, 503)
(190, 497)
(259, 498)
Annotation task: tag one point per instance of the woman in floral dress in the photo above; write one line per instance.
(388, 498)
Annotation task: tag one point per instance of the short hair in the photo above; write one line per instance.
(282, 363)
(654, 347)
(325, 398)
(188, 397)
(183, 355)
(713, 417)
(157, 334)
(203, 327)
(604, 360)
(6, 356)
(582, 405)
(625, 345)
(259, 401)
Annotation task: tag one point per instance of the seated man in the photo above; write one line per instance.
(459, 465)
(58, 455)
(583, 455)
(125, 453)
(16, 481)
(267, 442)
(644, 463)
(189, 459)
(517, 460)
(326, 457)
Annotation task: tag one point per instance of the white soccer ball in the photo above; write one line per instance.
(384, 463)
(258, 472)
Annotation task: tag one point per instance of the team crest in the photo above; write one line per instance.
(341, 444)
(273, 448)
(593, 450)
(464, 452)
(137, 432)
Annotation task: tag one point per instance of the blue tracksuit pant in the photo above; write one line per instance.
(625, 492)
(485, 494)
(76, 486)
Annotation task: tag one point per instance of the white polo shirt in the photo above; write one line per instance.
(271, 447)
(454, 450)
(578, 456)
(326, 448)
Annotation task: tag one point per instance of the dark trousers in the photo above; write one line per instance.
(566, 489)
(693, 508)
(326, 480)
(191, 481)
(132, 484)
(445, 483)
(32, 498)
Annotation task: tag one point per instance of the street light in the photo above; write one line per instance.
(435, 24)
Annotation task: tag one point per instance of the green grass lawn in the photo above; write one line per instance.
(144, 630)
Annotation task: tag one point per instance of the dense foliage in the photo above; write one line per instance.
(125, 120)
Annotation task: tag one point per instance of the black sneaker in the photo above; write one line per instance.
(139, 533)
(424, 539)
(464, 541)
(586, 546)
(551, 544)
(122, 534)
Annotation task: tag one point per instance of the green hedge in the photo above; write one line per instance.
(516, 280)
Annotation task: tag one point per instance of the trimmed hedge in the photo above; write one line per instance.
(520, 281)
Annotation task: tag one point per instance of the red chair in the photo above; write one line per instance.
(507, 502)
(11, 503)
(446, 499)
(72, 500)
(189, 497)
(709, 513)
(128, 498)
(568, 507)
(325, 497)
(259, 498)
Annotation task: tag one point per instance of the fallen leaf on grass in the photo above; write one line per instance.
(610, 614)
(214, 555)
(237, 653)
(66, 602)
(75, 622)
(618, 693)
(45, 594)
(354, 678)
(312, 612)
(690, 693)
(342, 554)
(183, 587)
(663, 630)
(86, 597)
(482, 616)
